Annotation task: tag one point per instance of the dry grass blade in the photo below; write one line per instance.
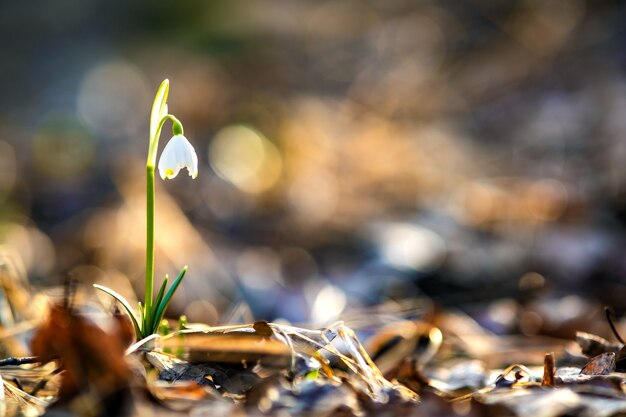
(278, 345)
(367, 369)
(137, 345)
(26, 404)
(34, 373)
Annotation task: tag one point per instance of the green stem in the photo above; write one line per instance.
(149, 239)
(177, 129)
(158, 116)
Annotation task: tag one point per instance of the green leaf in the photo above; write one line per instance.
(151, 319)
(159, 107)
(168, 297)
(124, 304)
(142, 316)
(313, 374)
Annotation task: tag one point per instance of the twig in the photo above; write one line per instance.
(548, 370)
(41, 384)
(19, 361)
(609, 318)
(17, 382)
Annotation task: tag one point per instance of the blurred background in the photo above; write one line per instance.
(351, 153)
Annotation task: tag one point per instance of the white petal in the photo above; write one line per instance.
(178, 154)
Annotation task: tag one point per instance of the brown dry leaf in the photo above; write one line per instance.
(181, 395)
(125, 328)
(592, 345)
(409, 376)
(305, 397)
(93, 360)
(529, 402)
(495, 351)
(602, 364)
(231, 348)
(273, 344)
(392, 344)
(232, 379)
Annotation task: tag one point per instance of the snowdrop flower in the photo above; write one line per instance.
(178, 154)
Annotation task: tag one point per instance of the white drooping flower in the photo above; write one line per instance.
(178, 154)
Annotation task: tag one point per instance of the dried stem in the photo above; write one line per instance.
(609, 318)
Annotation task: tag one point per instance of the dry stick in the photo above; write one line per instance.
(548, 370)
(17, 383)
(607, 311)
(20, 361)
(25, 361)
(41, 384)
(69, 293)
